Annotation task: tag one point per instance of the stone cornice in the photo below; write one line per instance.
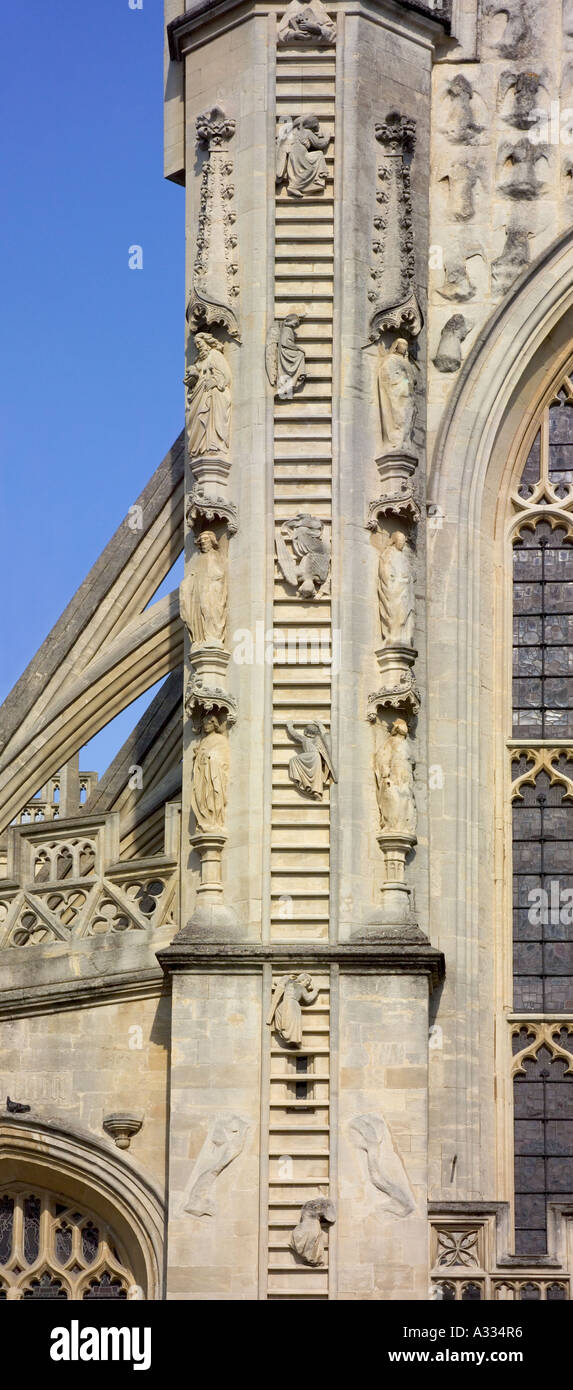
(66, 995)
(200, 11)
(383, 958)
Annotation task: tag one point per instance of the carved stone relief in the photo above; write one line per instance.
(208, 381)
(517, 32)
(514, 257)
(394, 772)
(203, 593)
(392, 295)
(301, 162)
(311, 769)
(224, 1142)
(204, 507)
(214, 286)
(307, 567)
(519, 92)
(210, 772)
(306, 24)
(457, 284)
(284, 360)
(396, 383)
(461, 126)
(290, 994)
(461, 178)
(449, 355)
(385, 1168)
(307, 1239)
(517, 166)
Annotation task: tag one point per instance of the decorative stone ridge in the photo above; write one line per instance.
(185, 25)
(214, 286)
(383, 956)
(395, 305)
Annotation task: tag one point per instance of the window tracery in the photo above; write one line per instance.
(50, 1248)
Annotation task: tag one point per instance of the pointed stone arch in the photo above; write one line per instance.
(521, 350)
(91, 1172)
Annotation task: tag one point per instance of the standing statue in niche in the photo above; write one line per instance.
(203, 592)
(285, 361)
(396, 592)
(311, 770)
(307, 1239)
(208, 383)
(286, 1006)
(210, 773)
(300, 156)
(394, 772)
(396, 378)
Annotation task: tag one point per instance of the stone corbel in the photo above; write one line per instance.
(397, 497)
(204, 507)
(398, 690)
(203, 699)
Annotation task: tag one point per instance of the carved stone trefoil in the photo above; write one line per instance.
(306, 24)
(214, 285)
(307, 1240)
(393, 297)
(307, 567)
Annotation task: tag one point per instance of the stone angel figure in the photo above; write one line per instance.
(311, 769)
(286, 1006)
(385, 1168)
(224, 1143)
(308, 570)
(307, 1239)
(285, 361)
(300, 156)
(208, 382)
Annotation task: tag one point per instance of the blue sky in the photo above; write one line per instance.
(92, 352)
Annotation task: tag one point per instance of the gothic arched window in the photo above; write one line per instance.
(50, 1248)
(542, 797)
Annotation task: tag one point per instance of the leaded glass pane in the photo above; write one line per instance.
(6, 1223)
(543, 1111)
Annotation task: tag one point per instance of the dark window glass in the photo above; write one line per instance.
(543, 633)
(543, 1118)
(6, 1222)
(543, 894)
(105, 1287)
(32, 1209)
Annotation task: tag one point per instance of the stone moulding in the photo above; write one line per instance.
(201, 699)
(206, 507)
(214, 284)
(392, 295)
(398, 497)
(411, 956)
